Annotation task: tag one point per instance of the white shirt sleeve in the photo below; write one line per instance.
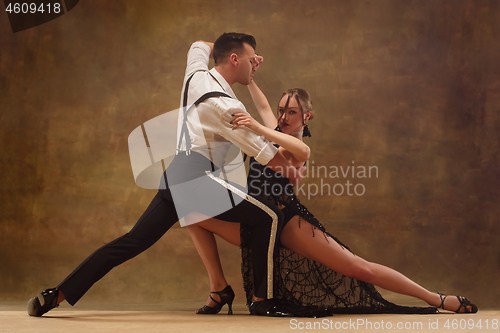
(249, 142)
(197, 58)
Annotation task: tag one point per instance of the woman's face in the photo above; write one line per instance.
(292, 119)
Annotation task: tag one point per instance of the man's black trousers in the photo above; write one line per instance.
(159, 217)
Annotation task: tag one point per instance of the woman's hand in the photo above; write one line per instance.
(258, 60)
(244, 119)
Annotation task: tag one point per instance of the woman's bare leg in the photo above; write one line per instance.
(331, 254)
(202, 234)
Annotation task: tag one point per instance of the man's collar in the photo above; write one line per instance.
(222, 81)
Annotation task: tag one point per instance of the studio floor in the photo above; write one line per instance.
(179, 317)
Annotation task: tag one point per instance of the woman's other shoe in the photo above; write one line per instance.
(464, 303)
(226, 297)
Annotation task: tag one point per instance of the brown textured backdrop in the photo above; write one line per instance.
(411, 87)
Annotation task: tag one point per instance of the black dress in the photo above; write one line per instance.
(306, 287)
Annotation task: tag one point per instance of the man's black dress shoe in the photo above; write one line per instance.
(43, 302)
(270, 308)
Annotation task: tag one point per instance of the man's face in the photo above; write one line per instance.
(246, 65)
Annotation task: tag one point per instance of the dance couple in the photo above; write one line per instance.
(292, 265)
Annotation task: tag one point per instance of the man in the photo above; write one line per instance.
(190, 183)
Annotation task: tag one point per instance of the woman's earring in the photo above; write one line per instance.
(306, 131)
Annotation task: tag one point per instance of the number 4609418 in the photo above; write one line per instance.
(471, 324)
(32, 8)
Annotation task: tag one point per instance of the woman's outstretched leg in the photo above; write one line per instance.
(300, 239)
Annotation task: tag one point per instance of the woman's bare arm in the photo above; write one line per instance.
(262, 105)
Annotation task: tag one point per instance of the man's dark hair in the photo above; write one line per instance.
(231, 42)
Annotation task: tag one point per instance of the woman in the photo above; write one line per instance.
(337, 281)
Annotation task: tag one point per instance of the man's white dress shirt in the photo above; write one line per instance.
(209, 123)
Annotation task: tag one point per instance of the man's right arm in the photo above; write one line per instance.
(252, 143)
(198, 57)
(210, 45)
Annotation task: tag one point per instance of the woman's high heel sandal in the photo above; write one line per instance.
(464, 303)
(226, 297)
